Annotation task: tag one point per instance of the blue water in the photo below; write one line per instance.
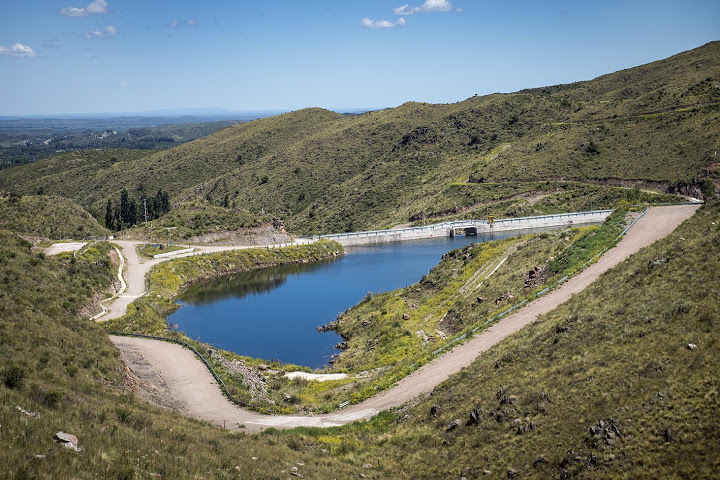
(273, 313)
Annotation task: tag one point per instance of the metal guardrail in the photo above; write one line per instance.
(174, 252)
(223, 387)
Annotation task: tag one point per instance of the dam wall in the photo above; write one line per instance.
(467, 227)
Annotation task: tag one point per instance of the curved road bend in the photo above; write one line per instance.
(193, 386)
(136, 268)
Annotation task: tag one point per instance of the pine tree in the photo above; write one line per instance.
(126, 213)
(117, 219)
(133, 213)
(109, 218)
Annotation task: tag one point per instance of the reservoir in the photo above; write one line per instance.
(273, 313)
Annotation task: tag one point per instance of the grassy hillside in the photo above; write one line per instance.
(654, 126)
(65, 370)
(621, 381)
(47, 216)
(76, 175)
(193, 218)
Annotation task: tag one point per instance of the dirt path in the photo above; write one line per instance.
(137, 267)
(189, 382)
(57, 248)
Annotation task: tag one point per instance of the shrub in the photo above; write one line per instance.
(13, 377)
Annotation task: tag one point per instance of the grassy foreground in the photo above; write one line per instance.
(621, 381)
(65, 370)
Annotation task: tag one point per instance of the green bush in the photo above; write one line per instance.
(14, 376)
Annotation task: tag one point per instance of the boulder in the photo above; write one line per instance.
(406, 316)
(434, 410)
(453, 425)
(474, 417)
(691, 346)
(606, 431)
(67, 440)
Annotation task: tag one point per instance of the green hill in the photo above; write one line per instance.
(654, 126)
(52, 217)
(59, 372)
(621, 381)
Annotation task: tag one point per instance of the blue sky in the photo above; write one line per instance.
(85, 56)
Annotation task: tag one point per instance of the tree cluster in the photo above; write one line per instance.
(128, 212)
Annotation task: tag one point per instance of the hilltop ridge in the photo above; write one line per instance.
(653, 126)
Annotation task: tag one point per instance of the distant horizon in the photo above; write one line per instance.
(85, 57)
(210, 112)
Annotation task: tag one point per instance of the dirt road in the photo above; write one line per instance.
(189, 382)
(137, 267)
(57, 248)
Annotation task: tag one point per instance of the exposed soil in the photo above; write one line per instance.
(262, 235)
(144, 380)
(266, 234)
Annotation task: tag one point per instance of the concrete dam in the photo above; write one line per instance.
(467, 227)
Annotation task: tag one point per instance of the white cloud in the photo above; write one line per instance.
(122, 84)
(428, 6)
(96, 7)
(107, 32)
(74, 12)
(191, 22)
(367, 23)
(459, 10)
(18, 50)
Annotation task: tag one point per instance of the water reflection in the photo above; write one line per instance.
(242, 284)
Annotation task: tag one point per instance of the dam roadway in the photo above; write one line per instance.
(196, 394)
(467, 227)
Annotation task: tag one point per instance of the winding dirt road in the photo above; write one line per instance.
(193, 387)
(136, 269)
